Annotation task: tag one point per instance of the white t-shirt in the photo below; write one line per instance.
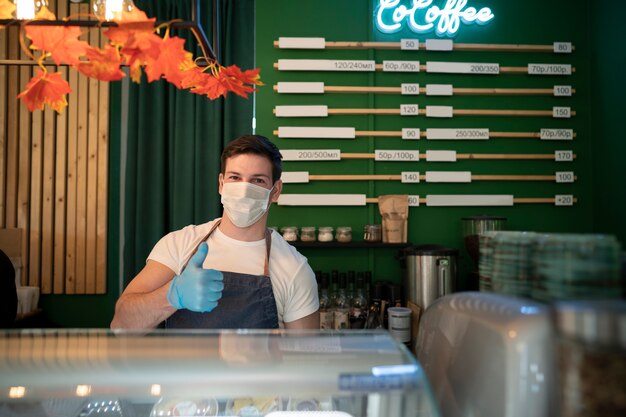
(293, 280)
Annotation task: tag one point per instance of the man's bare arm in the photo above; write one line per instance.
(143, 304)
(312, 321)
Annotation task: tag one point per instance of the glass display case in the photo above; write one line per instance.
(71, 373)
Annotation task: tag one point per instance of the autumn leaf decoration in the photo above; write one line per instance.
(134, 43)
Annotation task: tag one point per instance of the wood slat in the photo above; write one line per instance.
(36, 186)
(72, 134)
(23, 185)
(3, 123)
(92, 177)
(12, 132)
(47, 211)
(81, 178)
(103, 178)
(61, 138)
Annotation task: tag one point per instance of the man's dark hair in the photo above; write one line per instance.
(258, 145)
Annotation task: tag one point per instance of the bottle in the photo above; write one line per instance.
(368, 286)
(351, 291)
(383, 289)
(341, 307)
(334, 286)
(358, 306)
(374, 319)
(395, 295)
(326, 312)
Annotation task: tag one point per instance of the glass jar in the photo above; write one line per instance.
(592, 357)
(290, 233)
(325, 234)
(307, 234)
(344, 234)
(372, 233)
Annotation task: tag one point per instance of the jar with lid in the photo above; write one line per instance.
(307, 233)
(290, 233)
(325, 234)
(592, 357)
(344, 234)
(372, 233)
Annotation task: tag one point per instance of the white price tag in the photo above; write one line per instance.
(441, 156)
(563, 200)
(439, 44)
(410, 176)
(310, 154)
(325, 65)
(316, 132)
(556, 134)
(301, 43)
(562, 47)
(410, 89)
(409, 44)
(562, 91)
(409, 133)
(301, 111)
(561, 112)
(463, 67)
(414, 200)
(409, 110)
(563, 156)
(457, 134)
(401, 66)
(549, 69)
(439, 111)
(564, 176)
(439, 89)
(400, 155)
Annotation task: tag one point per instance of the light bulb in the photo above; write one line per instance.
(111, 9)
(27, 9)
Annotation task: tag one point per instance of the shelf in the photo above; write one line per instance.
(357, 244)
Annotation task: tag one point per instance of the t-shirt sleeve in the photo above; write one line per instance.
(167, 253)
(303, 299)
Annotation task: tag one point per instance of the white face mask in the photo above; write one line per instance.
(244, 203)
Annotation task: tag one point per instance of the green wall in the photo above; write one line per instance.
(529, 22)
(608, 60)
(595, 29)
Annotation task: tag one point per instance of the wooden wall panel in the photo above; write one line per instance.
(54, 173)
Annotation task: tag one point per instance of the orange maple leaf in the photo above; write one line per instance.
(45, 14)
(209, 86)
(46, 88)
(103, 65)
(6, 9)
(119, 35)
(247, 77)
(61, 41)
(171, 62)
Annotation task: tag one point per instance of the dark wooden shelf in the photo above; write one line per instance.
(354, 244)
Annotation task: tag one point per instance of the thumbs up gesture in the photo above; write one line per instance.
(197, 289)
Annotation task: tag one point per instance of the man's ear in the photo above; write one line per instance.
(220, 182)
(278, 188)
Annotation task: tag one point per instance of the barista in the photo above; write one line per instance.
(231, 272)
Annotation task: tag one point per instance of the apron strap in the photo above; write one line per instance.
(268, 245)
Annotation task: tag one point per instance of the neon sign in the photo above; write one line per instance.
(424, 17)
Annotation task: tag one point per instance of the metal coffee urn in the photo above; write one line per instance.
(430, 273)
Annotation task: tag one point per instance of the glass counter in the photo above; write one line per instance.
(70, 373)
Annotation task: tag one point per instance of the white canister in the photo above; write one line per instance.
(400, 323)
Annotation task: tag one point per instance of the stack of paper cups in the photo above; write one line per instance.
(400, 323)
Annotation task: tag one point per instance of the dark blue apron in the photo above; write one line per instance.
(247, 301)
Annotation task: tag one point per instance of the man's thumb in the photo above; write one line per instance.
(200, 255)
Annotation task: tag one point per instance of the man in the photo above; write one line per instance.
(231, 272)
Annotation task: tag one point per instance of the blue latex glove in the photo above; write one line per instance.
(196, 289)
